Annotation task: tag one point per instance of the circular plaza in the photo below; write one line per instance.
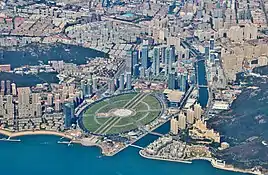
(121, 113)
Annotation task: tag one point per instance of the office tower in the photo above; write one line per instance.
(94, 84)
(117, 83)
(197, 111)
(57, 106)
(14, 89)
(142, 72)
(171, 81)
(111, 86)
(182, 121)
(122, 82)
(129, 62)
(135, 57)
(183, 82)
(1, 105)
(190, 116)
(83, 87)
(172, 53)
(106, 3)
(174, 126)
(49, 99)
(167, 57)
(136, 71)
(163, 53)
(207, 52)
(156, 61)
(71, 89)
(89, 89)
(211, 44)
(68, 111)
(38, 109)
(129, 86)
(8, 87)
(3, 87)
(144, 56)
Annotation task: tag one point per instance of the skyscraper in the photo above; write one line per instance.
(197, 111)
(182, 121)
(144, 56)
(167, 57)
(14, 89)
(183, 82)
(171, 81)
(111, 86)
(136, 71)
(3, 87)
(129, 62)
(129, 86)
(163, 52)
(122, 82)
(135, 57)
(190, 116)
(8, 87)
(174, 126)
(83, 87)
(156, 61)
(68, 111)
(49, 99)
(211, 44)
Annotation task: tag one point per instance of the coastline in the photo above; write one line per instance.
(211, 160)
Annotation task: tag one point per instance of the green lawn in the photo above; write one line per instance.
(112, 105)
(90, 123)
(152, 101)
(140, 106)
(151, 116)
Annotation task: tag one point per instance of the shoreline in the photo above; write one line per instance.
(212, 161)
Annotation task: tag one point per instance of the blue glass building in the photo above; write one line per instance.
(68, 111)
(144, 56)
(171, 81)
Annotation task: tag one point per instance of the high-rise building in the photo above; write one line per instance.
(83, 87)
(197, 111)
(171, 81)
(172, 53)
(211, 44)
(111, 86)
(35, 98)
(49, 99)
(167, 60)
(135, 57)
(182, 121)
(156, 61)
(24, 107)
(57, 105)
(144, 56)
(122, 82)
(129, 62)
(8, 87)
(14, 89)
(163, 53)
(94, 84)
(3, 87)
(183, 82)
(129, 86)
(190, 116)
(38, 109)
(136, 71)
(10, 107)
(174, 126)
(68, 111)
(1, 105)
(142, 72)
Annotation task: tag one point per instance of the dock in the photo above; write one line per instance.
(10, 140)
(136, 146)
(65, 142)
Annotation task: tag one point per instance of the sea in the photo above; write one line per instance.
(42, 155)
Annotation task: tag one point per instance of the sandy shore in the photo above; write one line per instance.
(24, 133)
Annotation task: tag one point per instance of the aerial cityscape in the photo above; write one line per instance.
(109, 73)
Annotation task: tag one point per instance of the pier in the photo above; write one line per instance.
(136, 146)
(10, 140)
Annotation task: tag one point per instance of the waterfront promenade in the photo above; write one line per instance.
(25, 133)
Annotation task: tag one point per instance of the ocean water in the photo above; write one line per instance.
(42, 155)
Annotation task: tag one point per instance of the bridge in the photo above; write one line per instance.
(202, 86)
(156, 133)
(136, 146)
